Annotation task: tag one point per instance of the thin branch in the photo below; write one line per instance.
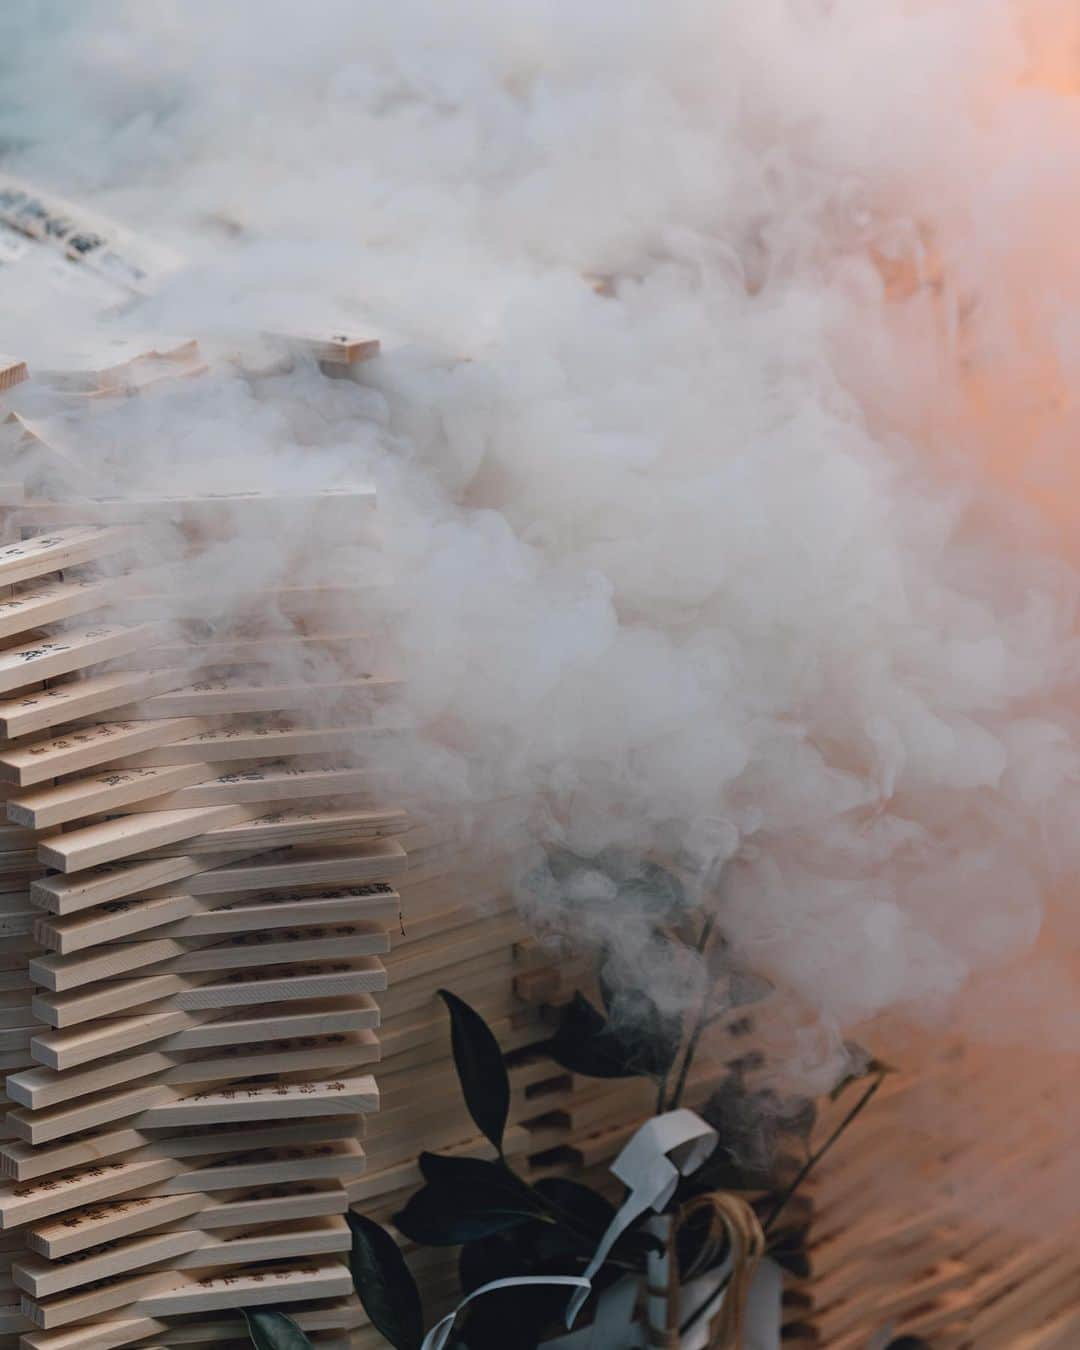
(804, 1172)
(816, 1157)
(702, 1018)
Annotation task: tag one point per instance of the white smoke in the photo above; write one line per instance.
(716, 556)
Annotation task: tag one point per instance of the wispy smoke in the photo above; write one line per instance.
(737, 554)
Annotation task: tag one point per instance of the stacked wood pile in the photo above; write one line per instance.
(203, 885)
(949, 1213)
(198, 885)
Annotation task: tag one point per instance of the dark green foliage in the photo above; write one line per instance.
(384, 1284)
(644, 891)
(272, 1330)
(758, 1131)
(583, 1043)
(518, 1319)
(480, 1068)
(465, 1199)
(510, 1319)
(582, 1209)
(487, 1259)
(648, 889)
(643, 1042)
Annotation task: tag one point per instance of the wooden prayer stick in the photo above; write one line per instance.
(69, 894)
(280, 649)
(24, 1162)
(121, 1292)
(117, 840)
(375, 861)
(199, 1030)
(242, 988)
(168, 1295)
(106, 790)
(45, 658)
(29, 1202)
(84, 746)
(253, 739)
(46, 602)
(184, 1249)
(176, 913)
(102, 1334)
(104, 1108)
(40, 1088)
(296, 826)
(114, 1220)
(224, 952)
(275, 781)
(58, 549)
(26, 713)
(325, 1340)
(214, 698)
(219, 509)
(375, 901)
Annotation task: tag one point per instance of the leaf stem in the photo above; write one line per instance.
(700, 1024)
(817, 1156)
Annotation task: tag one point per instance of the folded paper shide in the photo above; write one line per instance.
(662, 1152)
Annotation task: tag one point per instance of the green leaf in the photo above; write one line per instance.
(384, 1284)
(642, 1041)
(651, 1037)
(643, 890)
(583, 1043)
(508, 1319)
(480, 1068)
(272, 1330)
(465, 1199)
(588, 1212)
(436, 1219)
(485, 1260)
(476, 1174)
(652, 891)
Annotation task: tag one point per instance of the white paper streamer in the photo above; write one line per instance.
(665, 1148)
(440, 1332)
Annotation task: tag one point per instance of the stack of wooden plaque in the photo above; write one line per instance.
(198, 885)
(203, 874)
(949, 1211)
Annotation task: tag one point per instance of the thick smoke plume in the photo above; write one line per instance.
(724, 433)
